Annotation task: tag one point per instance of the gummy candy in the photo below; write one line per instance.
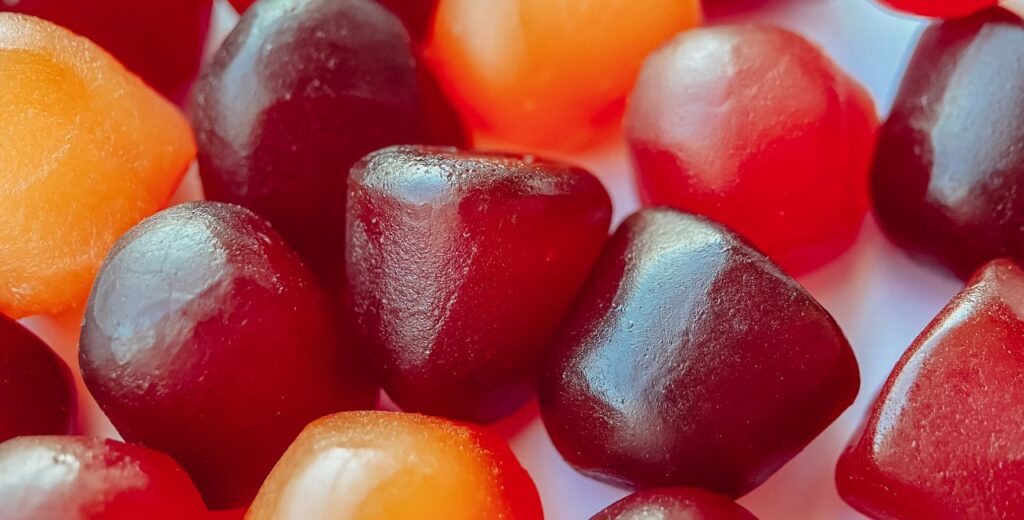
(756, 128)
(416, 14)
(940, 8)
(674, 504)
(206, 338)
(389, 465)
(78, 478)
(461, 267)
(691, 360)
(549, 74)
(948, 179)
(37, 395)
(88, 152)
(945, 438)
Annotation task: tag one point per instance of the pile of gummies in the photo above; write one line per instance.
(353, 241)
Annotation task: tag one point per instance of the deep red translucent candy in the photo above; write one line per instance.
(945, 438)
(206, 338)
(298, 93)
(78, 478)
(690, 359)
(461, 266)
(37, 395)
(415, 13)
(755, 127)
(674, 504)
(948, 179)
(162, 41)
(940, 8)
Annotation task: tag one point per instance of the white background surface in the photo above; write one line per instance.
(880, 298)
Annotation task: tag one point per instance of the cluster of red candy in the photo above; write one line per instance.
(238, 345)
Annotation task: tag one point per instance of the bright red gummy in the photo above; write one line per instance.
(162, 41)
(297, 94)
(206, 338)
(461, 267)
(755, 127)
(674, 504)
(948, 178)
(940, 8)
(690, 359)
(945, 438)
(78, 478)
(37, 395)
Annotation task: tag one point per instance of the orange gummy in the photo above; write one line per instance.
(384, 465)
(549, 74)
(88, 151)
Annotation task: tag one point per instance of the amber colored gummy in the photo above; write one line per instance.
(940, 8)
(548, 74)
(78, 478)
(945, 437)
(674, 504)
(88, 151)
(37, 393)
(389, 465)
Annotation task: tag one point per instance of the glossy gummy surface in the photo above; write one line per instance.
(37, 395)
(88, 151)
(206, 338)
(342, 71)
(755, 127)
(79, 478)
(416, 14)
(389, 465)
(945, 438)
(940, 8)
(461, 267)
(691, 360)
(674, 504)
(948, 179)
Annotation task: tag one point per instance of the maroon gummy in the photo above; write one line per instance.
(297, 94)
(674, 504)
(461, 266)
(205, 337)
(37, 394)
(948, 179)
(162, 41)
(690, 359)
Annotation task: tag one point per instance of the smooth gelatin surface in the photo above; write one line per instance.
(756, 128)
(79, 478)
(206, 338)
(37, 395)
(948, 179)
(945, 438)
(416, 14)
(88, 151)
(549, 74)
(389, 465)
(940, 8)
(298, 93)
(690, 359)
(461, 267)
(674, 504)
(162, 41)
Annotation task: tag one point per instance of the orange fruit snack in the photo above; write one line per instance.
(88, 151)
(384, 465)
(548, 74)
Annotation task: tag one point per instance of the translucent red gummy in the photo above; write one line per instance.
(94, 479)
(945, 438)
(674, 504)
(37, 394)
(940, 8)
(948, 179)
(690, 359)
(756, 128)
(415, 13)
(206, 338)
(461, 267)
(298, 93)
(162, 41)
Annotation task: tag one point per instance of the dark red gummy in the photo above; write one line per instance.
(37, 395)
(162, 41)
(948, 180)
(206, 338)
(81, 478)
(690, 359)
(674, 504)
(461, 266)
(417, 14)
(297, 94)
(945, 438)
